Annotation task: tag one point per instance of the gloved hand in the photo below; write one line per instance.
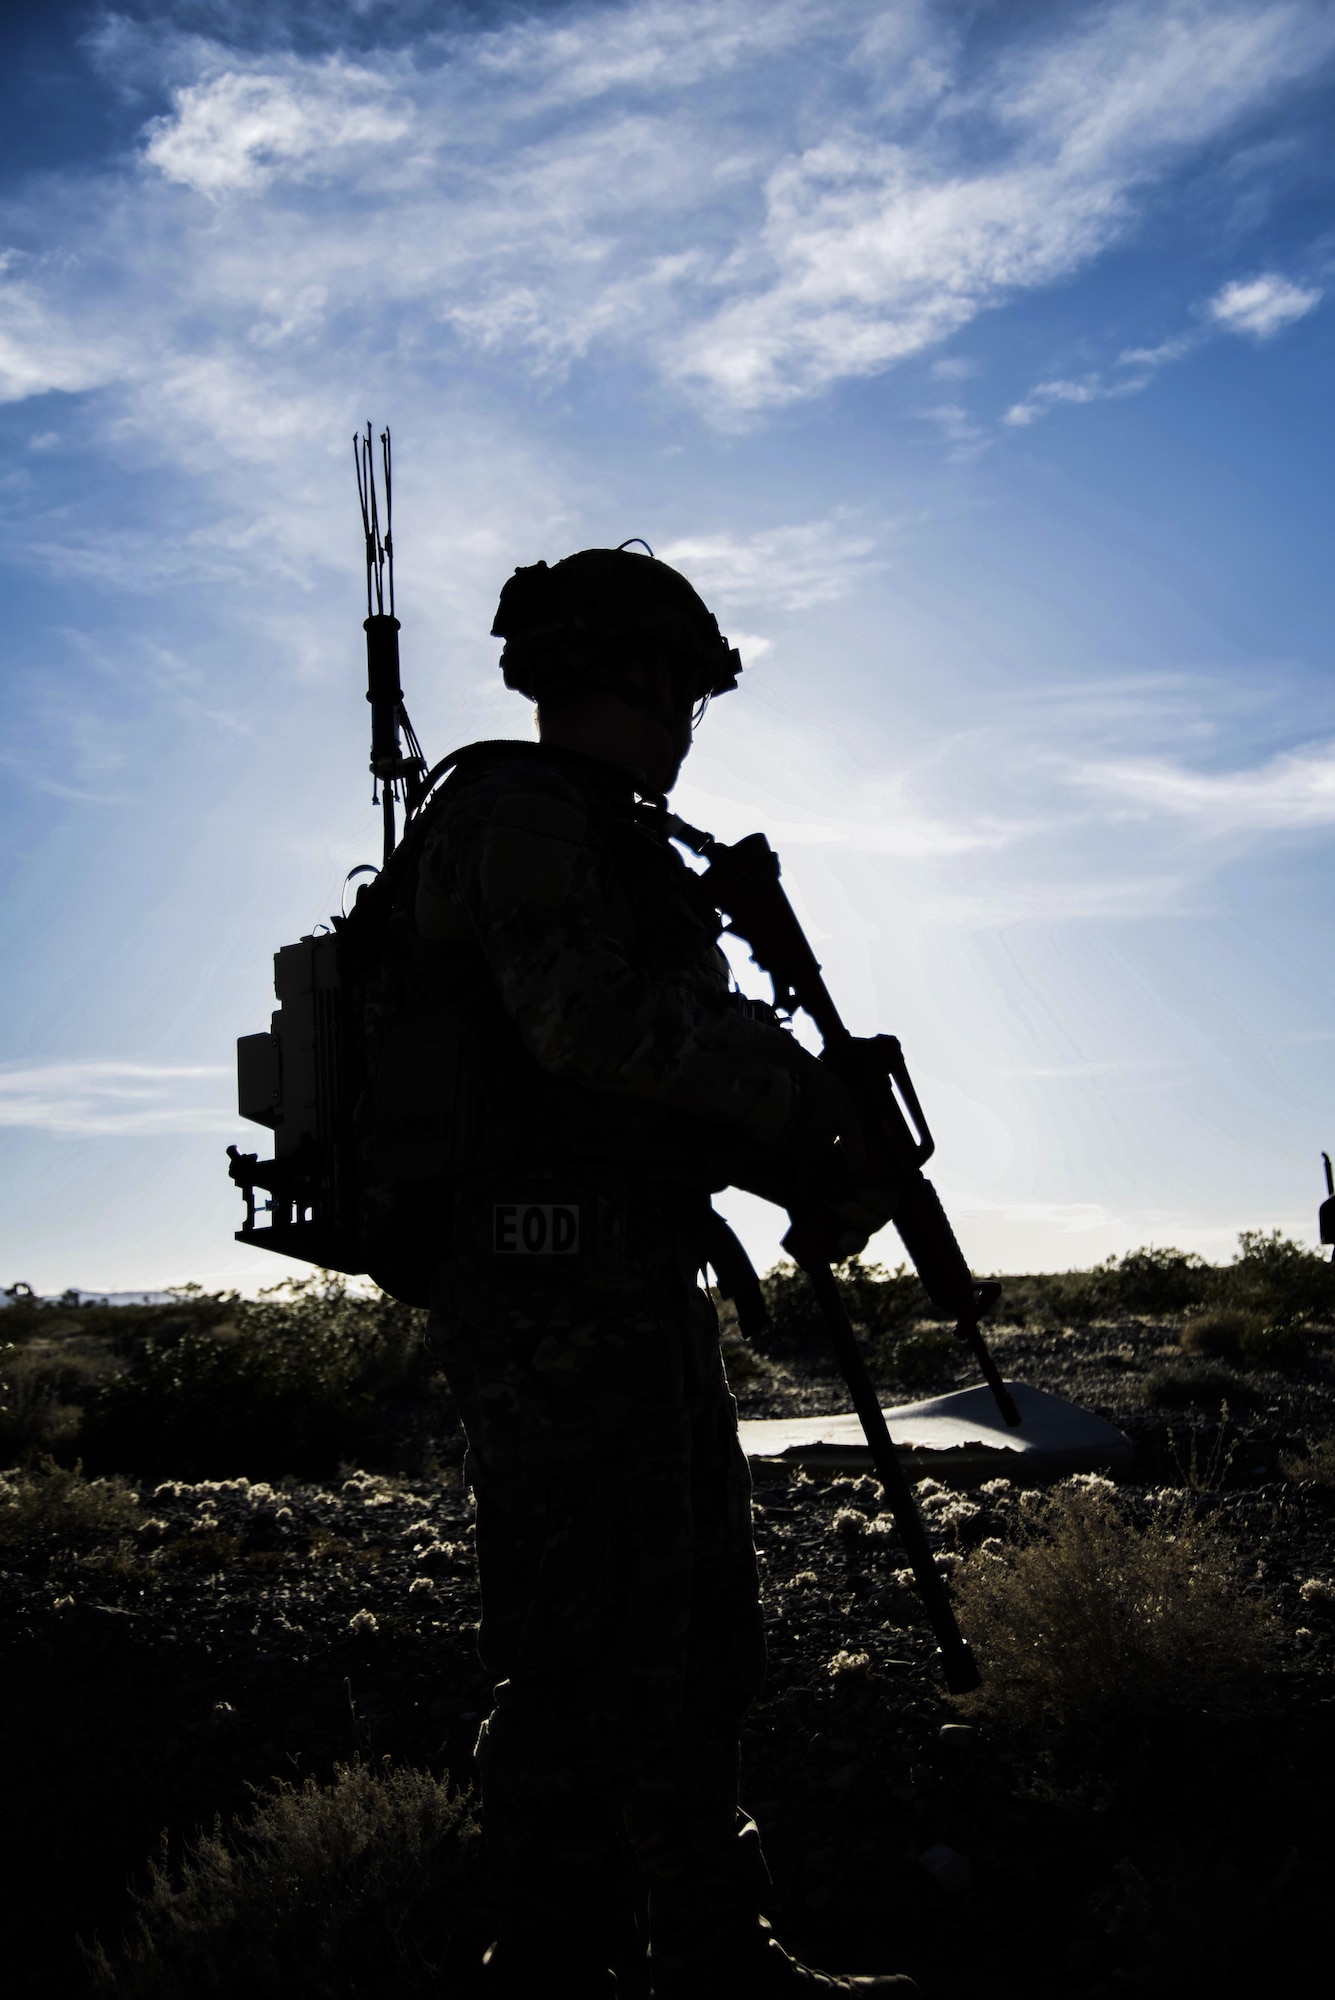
(830, 1188)
(828, 1231)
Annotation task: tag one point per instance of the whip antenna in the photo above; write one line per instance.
(396, 775)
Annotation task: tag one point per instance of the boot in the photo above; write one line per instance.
(765, 1971)
(508, 1975)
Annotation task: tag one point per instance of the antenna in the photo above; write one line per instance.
(389, 718)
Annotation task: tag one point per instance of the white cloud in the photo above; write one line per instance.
(1176, 348)
(876, 251)
(236, 132)
(1259, 306)
(1045, 396)
(783, 569)
(1291, 791)
(658, 46)
(752, 646)
(117, 1099)
(41, 348)
(759, 203)
(1262, 306)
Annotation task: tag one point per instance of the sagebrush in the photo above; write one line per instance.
(320, 1891)
(48, 1507)
(1088, 1619)
(292, 1383)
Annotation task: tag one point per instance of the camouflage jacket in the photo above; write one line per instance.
(577, 957)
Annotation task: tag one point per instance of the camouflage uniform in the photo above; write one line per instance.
(611, 1077)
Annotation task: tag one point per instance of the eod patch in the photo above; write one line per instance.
(535, 1228)
(553, 1226)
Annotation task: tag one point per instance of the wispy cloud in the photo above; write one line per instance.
(787, 569)
(760, 203)
(1262, 306)
(899, 829)
(1258, 307)
(1091, 388)
(41, 346)
(875, 251)
(1092, 834)
(235, 132)
(117, 1099)
(1291, 791)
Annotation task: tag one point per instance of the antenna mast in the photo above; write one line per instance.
(396, 775)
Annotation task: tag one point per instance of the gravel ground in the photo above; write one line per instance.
(253, 1631)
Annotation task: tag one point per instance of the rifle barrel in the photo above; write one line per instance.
(957, 1660)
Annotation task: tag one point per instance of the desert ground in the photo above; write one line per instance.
(239, 1650)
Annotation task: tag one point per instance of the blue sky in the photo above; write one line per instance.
(973, 360)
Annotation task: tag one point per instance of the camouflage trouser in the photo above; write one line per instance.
(621, 1623)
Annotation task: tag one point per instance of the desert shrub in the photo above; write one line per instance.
(44, 1386)
(1088, 1619)
(1148, 1281)
(741, 1360)
(883, 1305)
(119, 1327)
(33, 1413)
(1263, 1309)
(321, 1890)
(1276, 1343)
(1074, 1298)
(1281, 1281)
(48, 1506)
(1158, 1281)
(1217, 1330)
(1061, 1298)
(294, 1382)
(920, 1360)
(886, 1305)
(1315, 1464)
(1247, 1336)
(1176, 1385)
(795, 1320)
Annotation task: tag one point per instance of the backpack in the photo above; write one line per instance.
(365, 1077)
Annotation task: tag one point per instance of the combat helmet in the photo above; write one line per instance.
(571, 620)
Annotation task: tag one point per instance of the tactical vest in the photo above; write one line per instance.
(452, 1089)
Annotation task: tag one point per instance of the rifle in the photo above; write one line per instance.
(743, 882)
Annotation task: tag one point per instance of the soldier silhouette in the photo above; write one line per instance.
(606, 1082)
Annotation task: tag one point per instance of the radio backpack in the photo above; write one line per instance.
(351, 1173)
